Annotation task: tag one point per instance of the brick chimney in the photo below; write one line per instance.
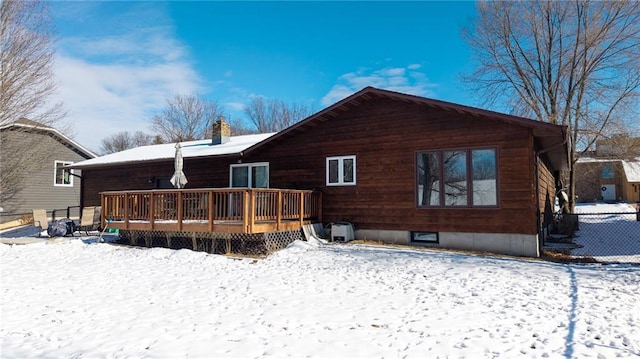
(221, 131)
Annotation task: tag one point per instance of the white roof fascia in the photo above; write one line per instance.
(165, 151)
(57, 133)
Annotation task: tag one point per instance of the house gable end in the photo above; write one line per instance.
(26, 125)
(550, 138)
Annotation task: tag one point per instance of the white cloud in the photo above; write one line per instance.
(107, 98)
(115, 82)
(151, 44)
(337, 93)
(234, 106)
(390, 78)
(393, 72)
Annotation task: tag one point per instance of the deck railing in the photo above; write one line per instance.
(235, 210)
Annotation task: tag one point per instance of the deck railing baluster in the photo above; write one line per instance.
(209, 210)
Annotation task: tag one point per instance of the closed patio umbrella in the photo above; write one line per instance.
(179, 180)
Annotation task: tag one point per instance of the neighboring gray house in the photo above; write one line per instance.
(33, 156)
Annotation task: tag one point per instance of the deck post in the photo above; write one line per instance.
(301, 208)
(179, 210)
(279, 211)
(245, 211)
(210, 214)
(126, 210)
(152, 209)
(250, 210)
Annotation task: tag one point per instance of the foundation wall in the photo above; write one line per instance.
(502, 243)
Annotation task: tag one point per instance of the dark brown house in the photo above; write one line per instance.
(400, 168)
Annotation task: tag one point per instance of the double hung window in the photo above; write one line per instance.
(62, 176)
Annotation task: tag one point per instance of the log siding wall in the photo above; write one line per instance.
(546, 192)
(385, 135)
(200, 172)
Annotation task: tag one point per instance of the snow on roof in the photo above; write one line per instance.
(593, 160)
(632, 170)
(198, 148)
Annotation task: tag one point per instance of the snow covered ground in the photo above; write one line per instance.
(612, 237)
(605, 208)
(78, 298)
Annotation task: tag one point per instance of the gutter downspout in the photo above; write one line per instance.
(81, 190)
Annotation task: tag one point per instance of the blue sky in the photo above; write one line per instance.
(118, 61)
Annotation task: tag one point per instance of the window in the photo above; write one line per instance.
(457, 178)
(424, 237)
(483, 163)
(607, 171)
(341, 171)
(454, 164)
(62, 176)
(250, 175)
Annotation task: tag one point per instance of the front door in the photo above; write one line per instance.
(608, 192)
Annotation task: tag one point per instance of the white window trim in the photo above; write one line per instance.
(341, 170)
(55, 172)
(249, 167)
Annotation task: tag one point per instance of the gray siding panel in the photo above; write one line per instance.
(39, 190)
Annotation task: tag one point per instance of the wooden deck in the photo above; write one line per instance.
(229, 210)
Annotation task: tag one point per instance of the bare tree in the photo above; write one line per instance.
(574, 63)
(239, 127)
(27, 55)
(274, 115)
(186, 118)
(125, 140)
(27, 85)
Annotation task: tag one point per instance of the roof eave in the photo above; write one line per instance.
(80, 166)
(88, 153)
(538, 127)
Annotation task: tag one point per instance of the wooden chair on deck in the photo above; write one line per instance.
(40, 220)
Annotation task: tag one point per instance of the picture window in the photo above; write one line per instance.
(457, 178)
